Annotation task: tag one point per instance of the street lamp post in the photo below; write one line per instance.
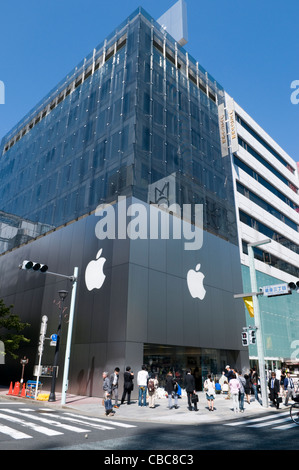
(28, 265)
(257, 320)
(69, 338)
(62, 295)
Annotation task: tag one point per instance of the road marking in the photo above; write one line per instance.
(79, 420)
(28, 424)
(20, 417)
(13, 433)
(269, 423)
(286, 426)
(51, 422)
(256, 420)
(113, 423)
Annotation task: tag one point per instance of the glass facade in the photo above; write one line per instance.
(201, 362)
(134, 111)
(279, 319)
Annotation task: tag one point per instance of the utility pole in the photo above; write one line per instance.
(257, 321)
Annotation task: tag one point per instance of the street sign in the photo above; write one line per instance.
(276, 289)
(44, 371)
(42, 334)
(53, 340)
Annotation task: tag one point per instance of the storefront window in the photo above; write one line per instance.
(161, 359)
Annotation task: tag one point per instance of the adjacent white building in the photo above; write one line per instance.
(267, 204)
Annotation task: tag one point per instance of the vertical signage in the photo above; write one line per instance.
(232, 124)
(222, 130)
(42, 334)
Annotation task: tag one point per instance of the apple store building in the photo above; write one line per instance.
(118, 171)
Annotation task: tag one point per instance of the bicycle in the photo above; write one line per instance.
(294, 410)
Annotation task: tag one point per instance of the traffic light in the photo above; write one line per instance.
(293, 286)
(252, 337)
(27, 265)
(244, 338)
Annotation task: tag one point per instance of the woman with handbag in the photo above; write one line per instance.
(171, 389)
(209, 387)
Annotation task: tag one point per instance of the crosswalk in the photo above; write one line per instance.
(279, 421)
(47, 423)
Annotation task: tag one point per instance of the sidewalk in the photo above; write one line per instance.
(223, 409)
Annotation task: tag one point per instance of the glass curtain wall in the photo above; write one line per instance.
(177, 131)
(79, 151)
(134, 111)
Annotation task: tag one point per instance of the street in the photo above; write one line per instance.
(38, 427)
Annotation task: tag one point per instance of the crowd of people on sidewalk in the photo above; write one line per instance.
(232, 384)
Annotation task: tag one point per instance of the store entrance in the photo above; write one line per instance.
(161, 359)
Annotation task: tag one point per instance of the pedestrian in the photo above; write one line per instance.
(289, 388)
(107, 394)
(209, 386)
(247, 387)
(228, 373)
(171, 389)
(142, 378)
(225, 388)
(190, 389)
(282, 378)
(217, 388)
(152, 385)
(106, 384)
(242, 383)
(128, 385)
(222, 379)
(114, 386)
(274, 388)
(234, 386)
(254, 381)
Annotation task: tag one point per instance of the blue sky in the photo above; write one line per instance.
(251, 48)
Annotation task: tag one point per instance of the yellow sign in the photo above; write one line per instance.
(249, 305)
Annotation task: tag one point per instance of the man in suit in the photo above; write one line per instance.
(289, 388)
(190, 389)
(128, 385)
(274, 388)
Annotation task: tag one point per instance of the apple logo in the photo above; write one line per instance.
(195, 283)
(94, 275)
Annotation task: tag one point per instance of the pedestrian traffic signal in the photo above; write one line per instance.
(245, 338)
(252, 337)
(34, 266)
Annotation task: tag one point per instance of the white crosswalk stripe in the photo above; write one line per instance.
(29, 424)
(269, 420)
(13, 433)
(51, 424)
(98, 420)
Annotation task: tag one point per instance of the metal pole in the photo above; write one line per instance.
(257, 321)
(69, 338)
(52, 396)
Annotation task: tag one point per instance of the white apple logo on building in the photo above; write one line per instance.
(94, 275)
(195, 283)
